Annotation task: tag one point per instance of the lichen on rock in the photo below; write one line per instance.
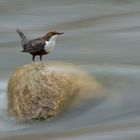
(44, 93)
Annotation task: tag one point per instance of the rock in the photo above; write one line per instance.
(44, 93)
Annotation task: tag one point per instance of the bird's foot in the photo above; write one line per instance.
(35, 67)
(43, 65)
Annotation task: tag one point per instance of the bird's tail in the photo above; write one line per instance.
(21, 34)
(24, 39)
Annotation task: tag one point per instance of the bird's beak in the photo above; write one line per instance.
(61, 33)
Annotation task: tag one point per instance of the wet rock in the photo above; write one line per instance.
(44, 93)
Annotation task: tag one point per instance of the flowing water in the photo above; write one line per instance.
(102, 37)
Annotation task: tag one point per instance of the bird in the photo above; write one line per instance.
(39, 46)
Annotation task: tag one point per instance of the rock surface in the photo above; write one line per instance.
(44, 93)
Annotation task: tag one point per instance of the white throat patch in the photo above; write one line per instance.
(50, 44)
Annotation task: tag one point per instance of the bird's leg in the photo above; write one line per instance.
(41, 60)
(33, 58)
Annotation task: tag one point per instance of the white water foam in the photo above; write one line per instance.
(3, 94)
(3, 84)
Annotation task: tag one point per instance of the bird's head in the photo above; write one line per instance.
(52, 35)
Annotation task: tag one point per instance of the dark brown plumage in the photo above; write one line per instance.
(39, 46)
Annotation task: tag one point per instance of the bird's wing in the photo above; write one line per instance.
(35, 45)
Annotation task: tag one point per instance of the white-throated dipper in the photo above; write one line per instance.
(39, 46)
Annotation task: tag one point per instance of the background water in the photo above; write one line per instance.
(102, 37)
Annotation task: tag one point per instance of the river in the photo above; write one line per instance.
(101, 37)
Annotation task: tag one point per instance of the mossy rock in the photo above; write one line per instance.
(44, 93)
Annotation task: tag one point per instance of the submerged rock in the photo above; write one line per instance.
(44, 93)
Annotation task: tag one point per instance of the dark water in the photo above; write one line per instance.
(103, 38)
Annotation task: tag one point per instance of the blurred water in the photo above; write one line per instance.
(102, 37)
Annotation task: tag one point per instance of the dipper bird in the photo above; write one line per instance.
(39, 46)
